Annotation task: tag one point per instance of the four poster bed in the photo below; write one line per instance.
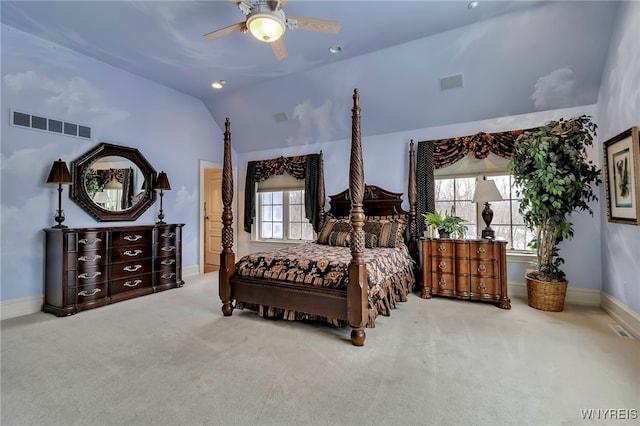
(361, 264)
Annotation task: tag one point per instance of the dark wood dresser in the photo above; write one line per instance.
(465, 269)
(90, 267)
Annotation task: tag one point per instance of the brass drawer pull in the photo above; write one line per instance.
(88, 242)
(481, 250)
(442, 282)
(132, 253)
(442, 265)
(89, 259)
(132, 284)
(169, 275)
(86, 293)
(133, 268)
(442, 248)
(168, 262)
(482, 286)
(482, 268)
(168, 248)
(85, 276)
(167, 234)
(133, 237)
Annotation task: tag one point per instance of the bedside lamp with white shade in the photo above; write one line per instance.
(485, 192)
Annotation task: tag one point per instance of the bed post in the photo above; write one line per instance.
(321, 194)
(412, 195)
(358, 287)
(227, 257)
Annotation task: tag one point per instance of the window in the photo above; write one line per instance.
(454, 187)
(280, 210)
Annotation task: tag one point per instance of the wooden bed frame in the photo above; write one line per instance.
(359, 200)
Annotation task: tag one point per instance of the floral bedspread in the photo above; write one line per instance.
(322, 265)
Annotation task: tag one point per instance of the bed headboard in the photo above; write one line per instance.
(376, 202)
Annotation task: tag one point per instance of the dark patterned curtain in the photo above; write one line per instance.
(305, 167)
(127, 188)
(436, 154)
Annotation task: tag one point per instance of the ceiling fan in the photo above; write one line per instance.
(267, 22)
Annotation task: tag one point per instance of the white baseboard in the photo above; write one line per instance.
(19, 307)
(620, 312)
(575, 296)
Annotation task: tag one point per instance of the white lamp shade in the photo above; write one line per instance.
(101, 197)
(265, 27)
(486, 190)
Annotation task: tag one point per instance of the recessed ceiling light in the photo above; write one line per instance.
(218, 84)
(335, 49)
(473, 5)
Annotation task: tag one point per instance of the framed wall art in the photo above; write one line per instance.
(622, 177)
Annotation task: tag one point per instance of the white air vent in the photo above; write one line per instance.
(452, 82)
(280, 117)
(619, 330)
(36, 122)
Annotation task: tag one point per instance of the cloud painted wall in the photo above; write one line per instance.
(173, 131)
(619, 109)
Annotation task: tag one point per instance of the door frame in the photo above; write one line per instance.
(203, 165)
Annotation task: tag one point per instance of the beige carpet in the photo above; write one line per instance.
(172, 359)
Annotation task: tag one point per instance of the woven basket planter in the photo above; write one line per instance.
(545, 295)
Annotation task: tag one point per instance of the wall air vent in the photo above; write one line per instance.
(36, 122)
(619, 330)
(452, 82)
(280, 117)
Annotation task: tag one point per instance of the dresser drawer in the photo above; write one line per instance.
(86, 259)
(167, 236)
(166, 276)
(166, 250)
(443, 283)
(484, 267)
(131, 283)
(87, 275)
(128, 237)
(484, 285)
(442, 265)
(88, 293)
(166, 262)
(482, 250)
(131, 268)
(130, 253)
(88, 241)
(442, 248)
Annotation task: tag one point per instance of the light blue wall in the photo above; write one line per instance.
(386, 163)
(619, 109)
(173, 131)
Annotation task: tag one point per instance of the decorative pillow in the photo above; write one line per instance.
(389, 231)
(343, 239)
(332, 225)
(340, 239)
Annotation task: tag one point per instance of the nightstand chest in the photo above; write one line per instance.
(465, 269)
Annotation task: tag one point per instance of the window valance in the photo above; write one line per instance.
(308, 167)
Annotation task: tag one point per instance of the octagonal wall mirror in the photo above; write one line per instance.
(113, 183)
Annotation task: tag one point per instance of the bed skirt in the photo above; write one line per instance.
(382, 299)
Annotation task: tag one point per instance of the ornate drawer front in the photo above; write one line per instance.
(131, 268)
(443, 265)
(483, 267)
(442, 248)
(130, 253)
(166, 262)
(166, 276)
(131, 283)
(443, 282)
(86, 259)
(129, 237)
(88, 293)
(167, 236)
(87, 241)
(482, 285)
(88, 276)
(167, 250)
(482, 250)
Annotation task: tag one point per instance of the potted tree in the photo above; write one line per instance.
(447, 224)
(554, 177)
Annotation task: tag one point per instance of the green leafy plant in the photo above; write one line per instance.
(447, 222)
(554, 177)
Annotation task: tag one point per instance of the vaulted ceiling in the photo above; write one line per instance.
(514, 57)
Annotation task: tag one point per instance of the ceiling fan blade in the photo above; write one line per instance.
(318, 25)
(240, 26)
(279, 49)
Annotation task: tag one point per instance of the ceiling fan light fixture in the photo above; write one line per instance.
(266, 26)
(218, 84)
